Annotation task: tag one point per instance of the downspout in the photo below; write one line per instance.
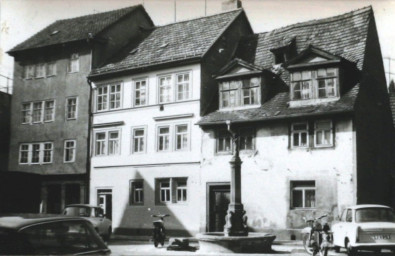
(88, 156)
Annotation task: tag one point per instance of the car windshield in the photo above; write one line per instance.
(374, 215)
(77, 211)
(62, 237)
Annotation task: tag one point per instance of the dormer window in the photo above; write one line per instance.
(315, 84)
(237, 93)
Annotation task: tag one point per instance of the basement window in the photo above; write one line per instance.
(303, 194)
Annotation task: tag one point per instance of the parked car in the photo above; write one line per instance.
(38, 235)
(369, 227)
(94, 214)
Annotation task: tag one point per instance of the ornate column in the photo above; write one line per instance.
(236, 220)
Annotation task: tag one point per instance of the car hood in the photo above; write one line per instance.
(377, 225)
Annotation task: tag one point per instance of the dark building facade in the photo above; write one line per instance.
(51, 100)
(5, 114)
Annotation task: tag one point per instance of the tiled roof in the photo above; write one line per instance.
(343, 35)
(177, 41)
(73, 29)
(277, 108)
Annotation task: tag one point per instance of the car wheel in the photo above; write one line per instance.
(351, 251)
(108, 235)
(156, 243)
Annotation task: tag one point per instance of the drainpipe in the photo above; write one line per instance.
(88, 148)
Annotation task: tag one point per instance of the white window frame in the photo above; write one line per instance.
(73, 149)
(180, 188)
(30, 71)
(41, 111)
(303, 189)
(43, 68)
(330, 144)
(49, 64)
(74, 58)
(158, 136)
(107, 95)
(185, 85)
(45, 111)
(171, 88)
(110, 94)
(136, 196)
(27, 151)
(106, 142)
(29, 113)
(300, 132)
(182, 134)
(113, 141)
(44, 150)
(134, 97)
(167, 200)
(41, 153)
(144, 138)
(75, 106)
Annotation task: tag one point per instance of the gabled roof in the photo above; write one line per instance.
(173, 42)
(277, 108)
(252, 69)
(343, 35)
(311, 50)
(74, 29)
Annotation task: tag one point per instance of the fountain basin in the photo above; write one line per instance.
(216, 242)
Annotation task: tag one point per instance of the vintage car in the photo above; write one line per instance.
(38, 235)
(365, 227)
(94, 214)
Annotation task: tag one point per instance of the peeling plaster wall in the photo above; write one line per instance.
(267, 172)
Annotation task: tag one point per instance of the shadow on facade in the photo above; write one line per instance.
(136, 219)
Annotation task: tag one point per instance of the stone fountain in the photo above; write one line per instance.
(235, 237)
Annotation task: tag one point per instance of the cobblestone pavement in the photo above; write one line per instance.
(129, 247)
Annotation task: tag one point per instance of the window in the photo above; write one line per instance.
(165, 89)
(108, 97)
(140, 93)
(37, 111)
(138, 143)
(26, 113)
(71, 108)
(165, 191)
(300, 135)
(323, 133)
(164, 138)
(107, 143)
(51, 69)
(49, 111)
(314, 84)
(181, 190)
(240, 93)
(36, 153)
(69, 151)
(74, 63)
(246, 140)
(182, 137)
(113, 143)
(171, 190)
(136, 192)
(29, 71)
(24, 154)
(40, 70)
(349, 215)
(182, 86)
(302, 194)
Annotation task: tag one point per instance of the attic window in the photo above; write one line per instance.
(54, 32)
(164, 45)
(285, 52)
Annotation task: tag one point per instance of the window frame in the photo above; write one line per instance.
(224, 134)
(27, 151)
(292, 132)
(172, 189)
(189, 87)
(67, 108)
(177, 181)
(107, 95)
(29, 113)
(41, 112)
(47, 69)
(41, 153)
(144, 137)
(171, 89)
(43, 69)
(186, 134)
(32, 74)
(158, 135)
(45, 111)
(132, 190)
(73, 148)
(106, 142)
(169, 200)
(239, 92)
(297, 185)
(74, 57)
(134, 97)
(331, 140)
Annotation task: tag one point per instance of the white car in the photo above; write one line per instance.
(369, 226)
(94, 214)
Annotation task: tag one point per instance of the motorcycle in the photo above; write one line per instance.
(159, 232)
(317, 238)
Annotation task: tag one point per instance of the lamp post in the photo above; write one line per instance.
(236, 220)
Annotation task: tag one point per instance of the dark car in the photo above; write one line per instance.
(38, 235)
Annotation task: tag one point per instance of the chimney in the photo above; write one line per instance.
(228, 5)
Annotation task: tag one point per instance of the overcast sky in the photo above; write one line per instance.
(20, 19)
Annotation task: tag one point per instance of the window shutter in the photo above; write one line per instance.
(157, 191)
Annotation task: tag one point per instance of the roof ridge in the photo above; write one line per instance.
(99, 13)
(201, 17)
(320, 21)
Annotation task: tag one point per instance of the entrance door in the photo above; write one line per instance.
(219, 199)
(104, 197)
(54, 199)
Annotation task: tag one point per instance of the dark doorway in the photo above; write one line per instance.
(72, 194)
(219, 199)
(104, 197)
(54, 198)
